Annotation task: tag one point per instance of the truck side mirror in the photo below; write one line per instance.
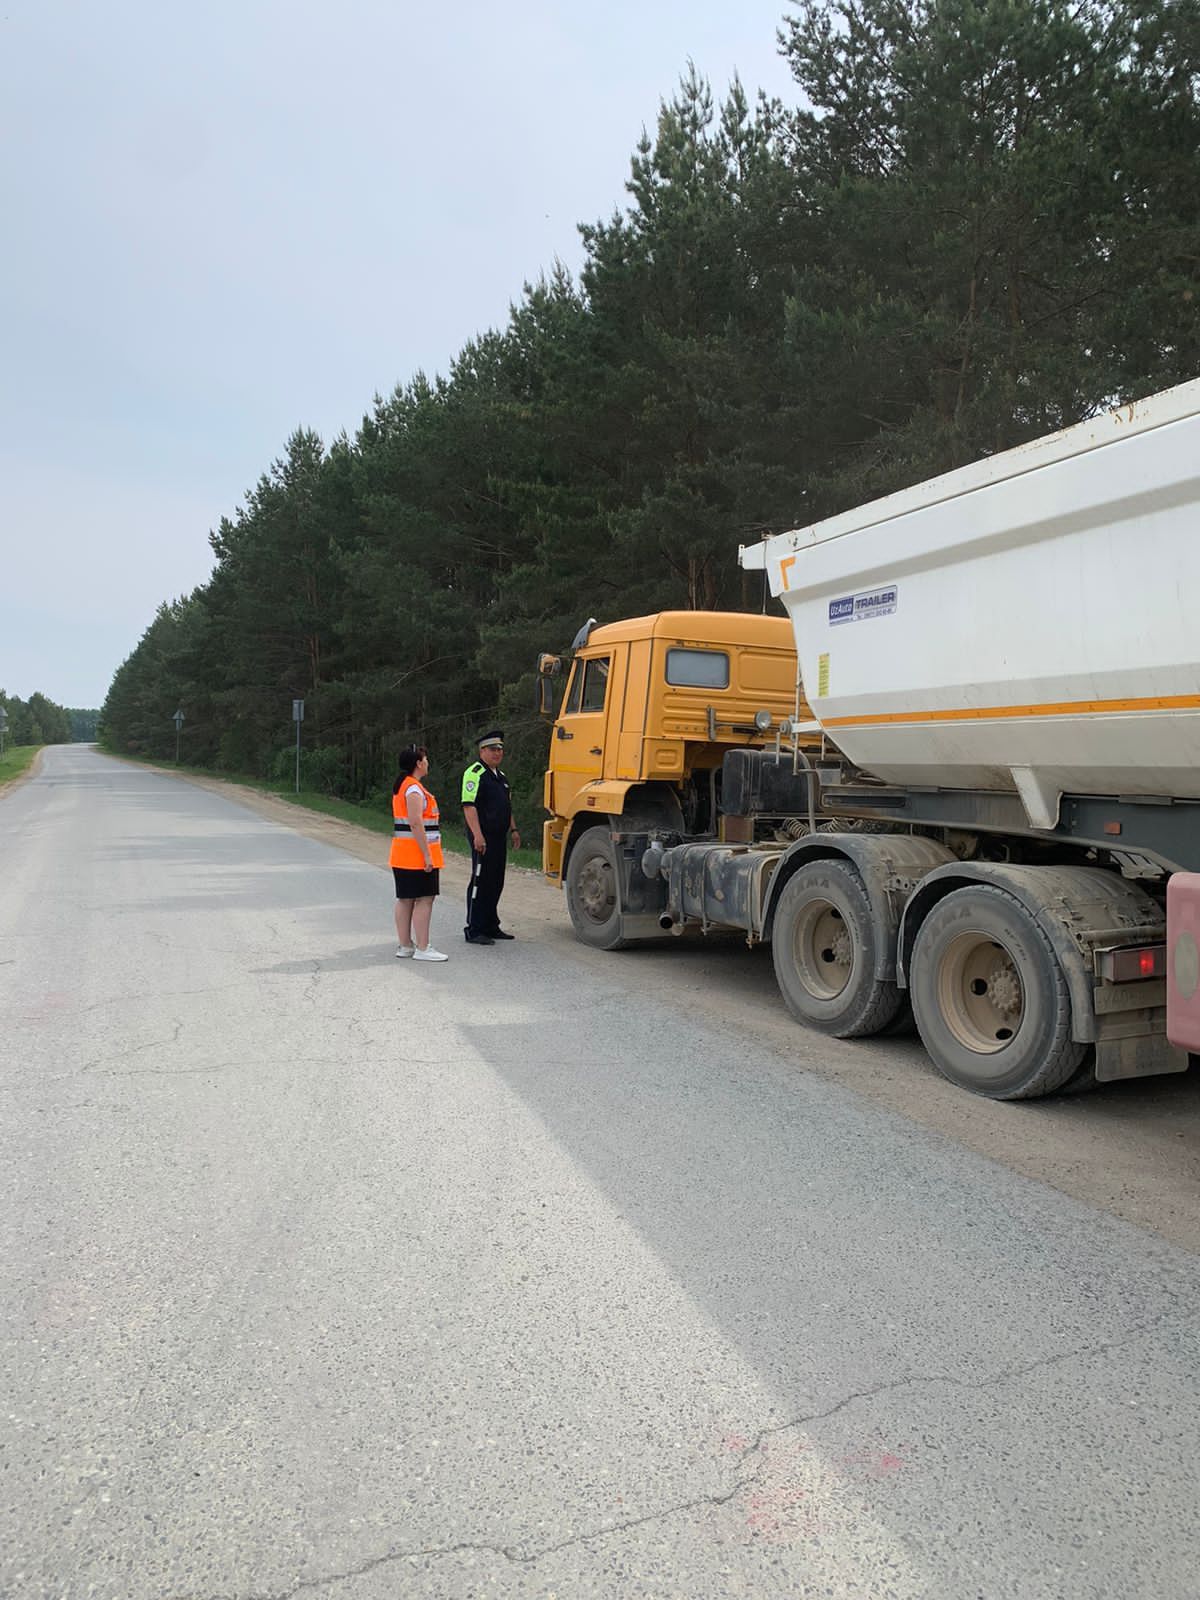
(547, 667)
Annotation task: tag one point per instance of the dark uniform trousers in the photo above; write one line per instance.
(487, 884)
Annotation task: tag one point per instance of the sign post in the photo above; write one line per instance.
(297, 718)
(3, 727)
(177, 719)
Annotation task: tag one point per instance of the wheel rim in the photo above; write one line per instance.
(823, 948)
(597, 889)
(980, 994)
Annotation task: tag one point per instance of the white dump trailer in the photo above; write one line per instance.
(1028, 623)
(988, 804)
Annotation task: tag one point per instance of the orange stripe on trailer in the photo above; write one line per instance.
(785, 566)
(1064, 708)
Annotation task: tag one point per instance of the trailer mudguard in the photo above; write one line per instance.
(1077, 908)
(891, 865)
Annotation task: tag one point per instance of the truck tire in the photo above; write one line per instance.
(823, 944)
(593, 892)
(903, 1025)
(990, 998)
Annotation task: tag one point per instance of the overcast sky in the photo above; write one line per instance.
(227, 220)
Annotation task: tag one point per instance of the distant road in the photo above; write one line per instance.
(543, 1272)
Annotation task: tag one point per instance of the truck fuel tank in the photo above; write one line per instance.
(718, 885)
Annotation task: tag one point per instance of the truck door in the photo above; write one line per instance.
(579, 736)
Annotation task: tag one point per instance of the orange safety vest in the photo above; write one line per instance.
(406, 852)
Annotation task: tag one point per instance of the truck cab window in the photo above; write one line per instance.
(698, 669)
(595, 684)
(574, 690)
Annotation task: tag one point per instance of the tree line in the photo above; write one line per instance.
(978, 223)
(39, 720)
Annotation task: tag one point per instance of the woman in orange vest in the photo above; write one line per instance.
(416, 856)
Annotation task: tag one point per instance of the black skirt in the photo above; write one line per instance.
(415, 883)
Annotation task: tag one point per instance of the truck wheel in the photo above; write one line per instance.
(823, 944)
(990, 998)
(593, 896)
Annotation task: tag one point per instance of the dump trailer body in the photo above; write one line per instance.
(1027, 624)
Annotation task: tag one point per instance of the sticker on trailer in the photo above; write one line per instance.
(879, 602)
(823, 675)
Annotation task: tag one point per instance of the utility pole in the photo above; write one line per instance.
(297, 718)
(177, 719)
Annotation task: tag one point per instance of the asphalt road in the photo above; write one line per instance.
(540, 1272)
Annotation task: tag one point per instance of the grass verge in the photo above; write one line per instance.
(16, 761)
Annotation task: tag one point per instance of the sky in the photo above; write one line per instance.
(229, 220)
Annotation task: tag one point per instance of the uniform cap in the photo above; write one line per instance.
(485, 739)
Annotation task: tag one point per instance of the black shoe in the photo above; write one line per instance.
(478, 938)
(499, 933)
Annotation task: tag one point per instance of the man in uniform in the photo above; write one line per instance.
(487, 807)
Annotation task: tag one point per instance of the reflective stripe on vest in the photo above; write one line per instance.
(406, 851)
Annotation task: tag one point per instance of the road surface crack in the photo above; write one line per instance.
(125, 1000)
(314, 983)
(743, 1480)
(993, 1380)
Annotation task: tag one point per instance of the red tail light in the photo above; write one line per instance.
(1130, 966)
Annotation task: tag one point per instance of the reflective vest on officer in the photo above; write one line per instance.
(406, 852)
(486, 788)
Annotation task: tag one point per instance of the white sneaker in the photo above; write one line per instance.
(429, 954)
(404, 950)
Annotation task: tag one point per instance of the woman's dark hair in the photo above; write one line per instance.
(407, 763)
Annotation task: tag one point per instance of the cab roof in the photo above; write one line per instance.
(698, 628)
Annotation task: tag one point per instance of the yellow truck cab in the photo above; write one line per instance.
(650, 709)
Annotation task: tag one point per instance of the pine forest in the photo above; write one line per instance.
(978, 222)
